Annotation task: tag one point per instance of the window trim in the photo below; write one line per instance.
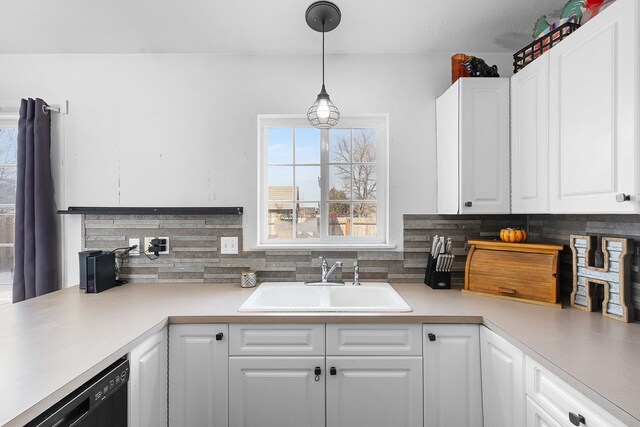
(381, 241)
(9, 119)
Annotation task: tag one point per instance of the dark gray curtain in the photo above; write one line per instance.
(36, 254)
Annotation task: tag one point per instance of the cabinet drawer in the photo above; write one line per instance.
(559, 399)
(276, 339)
(537, 417)
(374, 340)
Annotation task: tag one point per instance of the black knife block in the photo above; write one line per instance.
(436, 279)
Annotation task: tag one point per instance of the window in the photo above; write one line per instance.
(322, 187)
(8, 159)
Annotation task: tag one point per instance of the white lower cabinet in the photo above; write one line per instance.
(273, 391)
(503, 394)
(537, 417)
(198, 375)
(452, 383)
(563, 403)
(148, 382)
(374, 391)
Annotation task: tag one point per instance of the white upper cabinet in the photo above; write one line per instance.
(594, 105)
(530, 138)
(473, 147)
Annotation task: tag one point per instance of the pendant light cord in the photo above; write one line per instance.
(323, 52)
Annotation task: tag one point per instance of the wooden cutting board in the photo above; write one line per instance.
(526, 272)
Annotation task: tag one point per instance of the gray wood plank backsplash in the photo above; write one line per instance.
(195, 247)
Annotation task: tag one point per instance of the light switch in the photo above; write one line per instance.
(229, 245)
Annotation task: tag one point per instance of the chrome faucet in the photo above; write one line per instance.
(326, 271)
(356, 274)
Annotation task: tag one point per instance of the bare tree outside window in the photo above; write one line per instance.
(353, 159)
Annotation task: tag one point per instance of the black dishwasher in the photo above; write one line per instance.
(100, 402)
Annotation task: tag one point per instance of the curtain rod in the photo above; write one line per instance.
(64, 109)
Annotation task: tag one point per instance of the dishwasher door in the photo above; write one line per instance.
(100, 402)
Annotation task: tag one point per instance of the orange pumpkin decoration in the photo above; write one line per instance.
(513, 235)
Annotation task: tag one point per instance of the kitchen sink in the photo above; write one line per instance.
(295, 296)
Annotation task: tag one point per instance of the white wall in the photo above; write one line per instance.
(180, 130)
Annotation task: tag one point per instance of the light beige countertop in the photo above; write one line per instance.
(50, 345)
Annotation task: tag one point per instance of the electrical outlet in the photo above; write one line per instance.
(229, 245)
(136, 251)
(147, 243)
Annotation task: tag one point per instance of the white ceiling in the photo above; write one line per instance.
(266, 26)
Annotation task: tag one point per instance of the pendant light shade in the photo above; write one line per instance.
(323, 113)
(323, 16)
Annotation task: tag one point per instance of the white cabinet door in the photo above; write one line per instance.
(448, 151)
(484, 146)
(537, 417)
(276, 391)
(148, 382)
(374, 391)
(198, 378)
(502, 381)
(530, 138)
(473, 147)
(452, 384)
(594, 115)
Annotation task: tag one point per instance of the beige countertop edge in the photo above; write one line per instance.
(235, 317)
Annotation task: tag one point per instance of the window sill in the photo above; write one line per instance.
(324, 246)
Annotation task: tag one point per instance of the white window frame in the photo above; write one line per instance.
(378, 121)
(8, 119)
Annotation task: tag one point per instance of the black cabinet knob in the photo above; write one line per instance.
(219, 336)
(333, 370)
(468, 204)
(431, 337)
(576, 420)
(622, 198)
(318, 371)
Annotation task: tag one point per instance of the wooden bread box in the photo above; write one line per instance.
(526, 272)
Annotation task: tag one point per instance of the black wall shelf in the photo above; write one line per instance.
(95, 210)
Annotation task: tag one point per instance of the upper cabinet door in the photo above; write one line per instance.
(593, 115)
(473, 147)
(530, 138)
(484, 145)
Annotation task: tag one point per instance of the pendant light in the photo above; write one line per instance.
(323, 16)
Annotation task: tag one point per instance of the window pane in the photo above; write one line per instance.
(8, 144)
(280, 148)
(7, 185)
(339, 219)
(307, 182)
(364, 145)
(339, 145)
(308, 145)
(280, 219)
(365, 219)
(280, 182)
(340, 182)
(7, 220)
(6, 267)
(308, 226)
(364, 182)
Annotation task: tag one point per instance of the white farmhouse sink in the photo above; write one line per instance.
(296, 296)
